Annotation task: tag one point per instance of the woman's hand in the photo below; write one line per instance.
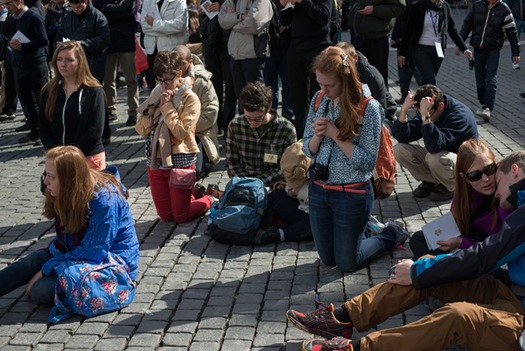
(165, 97)
(401, 61)
(33, 280)
(149, 20)
(322, 127)
(449, 245)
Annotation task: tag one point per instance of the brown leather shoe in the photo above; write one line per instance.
(423, 190)
(440, 193)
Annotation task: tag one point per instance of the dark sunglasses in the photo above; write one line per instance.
(476, 175)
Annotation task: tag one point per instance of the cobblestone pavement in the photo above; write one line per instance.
(196, 294)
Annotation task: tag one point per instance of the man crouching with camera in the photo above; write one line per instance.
(342, 138)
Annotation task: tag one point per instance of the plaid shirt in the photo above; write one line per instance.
(245, 148)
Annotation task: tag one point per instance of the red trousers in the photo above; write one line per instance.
(174, 204)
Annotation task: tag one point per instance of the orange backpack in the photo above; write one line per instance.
(384, 174)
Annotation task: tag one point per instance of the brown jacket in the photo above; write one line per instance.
(180, 122)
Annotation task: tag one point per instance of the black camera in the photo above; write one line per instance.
(471, 63)
(317, 171)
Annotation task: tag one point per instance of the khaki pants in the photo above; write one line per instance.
(481, 314)
(437, 168)
(126, 60)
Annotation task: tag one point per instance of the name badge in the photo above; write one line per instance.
(439, 50)
(270, 158)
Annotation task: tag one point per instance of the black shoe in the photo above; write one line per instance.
(132, 120)
(267, 236)
(31, 137)
(106, 141)
(440, 193)
(113, 117)
(7, 116)
(423, 190)
(23, 127)
(400, 101)
(522, 95)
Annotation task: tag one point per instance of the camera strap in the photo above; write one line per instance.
(325, 114)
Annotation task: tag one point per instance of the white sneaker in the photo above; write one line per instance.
(515, 66)
(484, 112)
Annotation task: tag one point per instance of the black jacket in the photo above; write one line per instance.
(310, 22)
(488, 26)
(416, 20)
(91, 28)
(75, 124)
(212, 33)
(370, 76)
(122, 24)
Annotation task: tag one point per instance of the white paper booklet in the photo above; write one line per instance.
(205, 7)
(442, 228)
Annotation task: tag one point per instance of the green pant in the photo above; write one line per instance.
(480, 314)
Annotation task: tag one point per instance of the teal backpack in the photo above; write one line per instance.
(240, 211)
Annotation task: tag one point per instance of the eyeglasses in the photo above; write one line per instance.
(165, 81)
(259, 118)
(489, 170)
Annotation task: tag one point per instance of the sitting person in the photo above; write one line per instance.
(473, 204)
(289, 203)
(443, 123)
(257, 139)
(206, 129)
(167, 121)
(481, 312)
(92, 218)
(72, 106)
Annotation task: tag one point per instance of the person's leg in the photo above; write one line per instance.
(185, 207)
(127, 64)
(286, 106)
(253, 70)
(412, 157)
(110, 88)
(298, 79)
(491, 77)
(480, 63)
(150, 78)
(481, 314)
(43, 291)
(239, 80)
(271, 76)
(229, 108)
(376, 51)
(350, 217)
(405, 76)
(424, 61)
(419, 247)
(21, 271)
(297, 226)
(160, 192)
(441, 166)
(321, 222)
(11, 98)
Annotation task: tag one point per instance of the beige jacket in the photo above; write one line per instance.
(179, 122)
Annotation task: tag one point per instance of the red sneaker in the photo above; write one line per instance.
(321, 322)
(336, 344)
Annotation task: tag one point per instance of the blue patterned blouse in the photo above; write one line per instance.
(359, 166)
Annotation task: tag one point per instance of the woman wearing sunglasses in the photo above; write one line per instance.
(476, 213)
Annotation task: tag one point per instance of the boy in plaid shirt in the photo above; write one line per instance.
(257, 139)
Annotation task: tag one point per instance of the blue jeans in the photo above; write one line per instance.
(338, 220)
(486, 69)
(20, 273)
(275, 67)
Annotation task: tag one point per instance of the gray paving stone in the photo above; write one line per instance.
(114, 344)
